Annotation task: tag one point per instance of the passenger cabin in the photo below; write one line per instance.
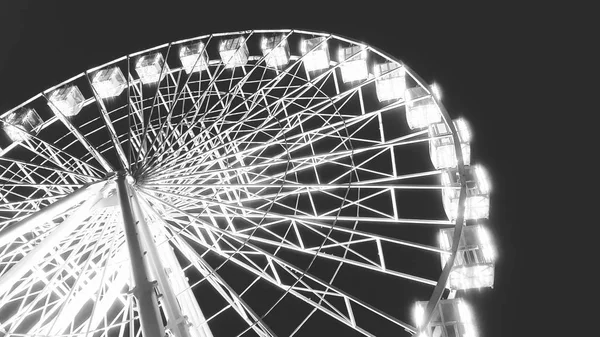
(474, 262)
(477, 202)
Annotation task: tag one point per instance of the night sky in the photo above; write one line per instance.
(474, 55)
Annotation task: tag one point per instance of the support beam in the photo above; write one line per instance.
(228, 294)
(109, 125)
(109, 297)
(87, 292)
(180, 285)
(143, 290)
(176, 321)
(47, 214)
(86, 144)
(34, 257)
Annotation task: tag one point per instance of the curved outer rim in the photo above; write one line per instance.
(459, 223)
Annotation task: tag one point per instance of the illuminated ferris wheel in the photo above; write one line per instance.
(270, 183)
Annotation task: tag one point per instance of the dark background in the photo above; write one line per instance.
(482, 58)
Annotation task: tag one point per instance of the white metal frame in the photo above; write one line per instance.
(243, 166)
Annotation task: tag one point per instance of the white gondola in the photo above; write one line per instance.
(477, 202)
(353, 63)
(276, 51)
(450, 318)
(20, 125)
(474, 263)
(109, 82)
(391, 85)
(421, 109)
(316, 53)
(234, 52)
(441, 144)
(150, 68)
(194, 57)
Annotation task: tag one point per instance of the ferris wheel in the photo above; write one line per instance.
(265, 182)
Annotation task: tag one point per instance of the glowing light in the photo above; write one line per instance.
(353, 63)
(444, 242)
(465, 312)
(67, 101)
(482, 179)
(150, 68)
(276, 51)
(436, 91)
(463, 128)
(21, 124)
(469, 331)
(316, 53)
(418, 314)
(16, 133)
(193, 57)
(129, 179)
(392, 85)
(234, 52)
(421, 109)
(109, 82)
(487, 247)
(451, 317)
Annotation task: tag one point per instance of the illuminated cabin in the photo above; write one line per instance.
(109, 82)
(234, 52)
(450, 318)
(316, 53)
(474, 263)
(150, 68)
(353, 63)
(477, 203)
(421, 109)
(67, 101)
(441, 144)
(20, 125)
(276, 51)
(194, 57)
(392, 84)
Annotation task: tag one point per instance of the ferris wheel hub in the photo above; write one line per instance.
(129, 179)
(121, 174)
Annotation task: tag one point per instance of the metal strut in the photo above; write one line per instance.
(49, 212)
(176, 321)
(143, 290)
